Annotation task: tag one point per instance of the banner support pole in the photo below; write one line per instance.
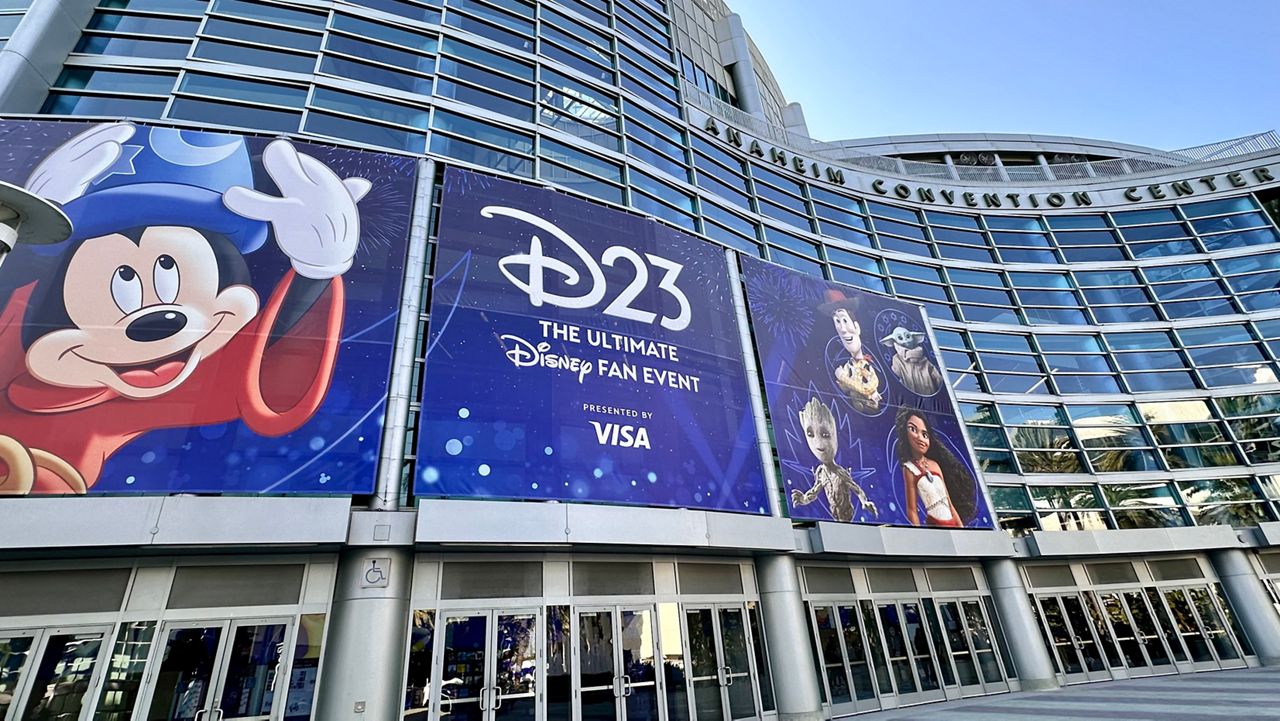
(752, 373)
(387, 491)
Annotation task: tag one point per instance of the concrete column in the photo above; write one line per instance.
(793, 120)
(32, 59)
(1250, 602)
(363, 670)
(1035, 669)
(795, 680)
(735, 53)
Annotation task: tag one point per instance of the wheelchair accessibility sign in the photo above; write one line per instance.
(377, 573)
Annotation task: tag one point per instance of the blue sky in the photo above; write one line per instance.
(1164, 74)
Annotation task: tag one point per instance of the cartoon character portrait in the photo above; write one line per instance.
(149, 320)
(910, 362)
(834, 481)
(934, 478)
(857, 377)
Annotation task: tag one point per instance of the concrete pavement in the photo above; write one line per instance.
(1222, 695)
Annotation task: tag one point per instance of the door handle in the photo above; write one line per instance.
(497, 699)
(483, 693)
(626, 685)
(218, 711)
(200, 714)
(728, 675)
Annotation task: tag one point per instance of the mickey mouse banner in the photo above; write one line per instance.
(220, 320)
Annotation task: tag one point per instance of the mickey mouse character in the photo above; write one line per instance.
(149, 320)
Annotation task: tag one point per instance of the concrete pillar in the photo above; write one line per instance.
(795, 680)
(793, 120)
(1250, 602)
(735, 54)
(363, 670)
(1035, 668)
(32, 59)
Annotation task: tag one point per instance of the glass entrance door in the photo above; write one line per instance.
(1075, 646)
(616, 664)
(1199, 625)
(220, 671)
(911, 661)
(721, 663)
(48, 673)
(489, 665)
(845, 659)
(1134, 629)
(969, 641)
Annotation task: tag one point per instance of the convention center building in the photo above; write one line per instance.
(527, 360)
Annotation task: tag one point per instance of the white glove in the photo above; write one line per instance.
(315, 220)
(66, 173)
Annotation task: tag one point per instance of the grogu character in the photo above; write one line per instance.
(834, 481)
(910, 362)
(148, 319)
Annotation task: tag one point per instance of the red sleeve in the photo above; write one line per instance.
(285, 383)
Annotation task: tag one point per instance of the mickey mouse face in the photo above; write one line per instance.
(144, 314)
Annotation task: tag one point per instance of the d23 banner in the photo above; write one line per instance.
(580, 353)
(863, 419)
(220, 320)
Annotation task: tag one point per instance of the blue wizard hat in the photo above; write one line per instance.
(167, 176)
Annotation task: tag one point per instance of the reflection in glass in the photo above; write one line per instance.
(1211, 621)
(702, 657)
(1145, 625)
(182, 684)
(462, 668)
(62, 678)
(896, 646)
(960, 654)
(596, 671)
(939, 643)
(123, 676)
(516, 661)
(1170, 631)
(559, 683)
(674, 672)
(872, 632)
(733, 631)
(639, 665)
(1188, 628)
(14, 651)
(832, 660)
(1234, 625)
(1063, 642)
(859, 668)
(919, 641)
(418, 675)
(306, 667)
(763, 668)
(252, 669)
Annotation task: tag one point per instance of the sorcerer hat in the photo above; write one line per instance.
(167, 176)
(837, 300)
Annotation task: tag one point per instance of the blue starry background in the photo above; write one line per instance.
(491, 430)
(336, 452)
(799, 352)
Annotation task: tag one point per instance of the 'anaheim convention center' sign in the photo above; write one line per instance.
(984, 197)
(581, 353)
(863, 418)
(221, 319)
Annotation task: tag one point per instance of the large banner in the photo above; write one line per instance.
(863, 419)
(581, 353)
(221, 319)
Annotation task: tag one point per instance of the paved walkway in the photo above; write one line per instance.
(1218, 696)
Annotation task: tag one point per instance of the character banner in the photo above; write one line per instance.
(581, 353)
(863, 419)
(221, 319)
